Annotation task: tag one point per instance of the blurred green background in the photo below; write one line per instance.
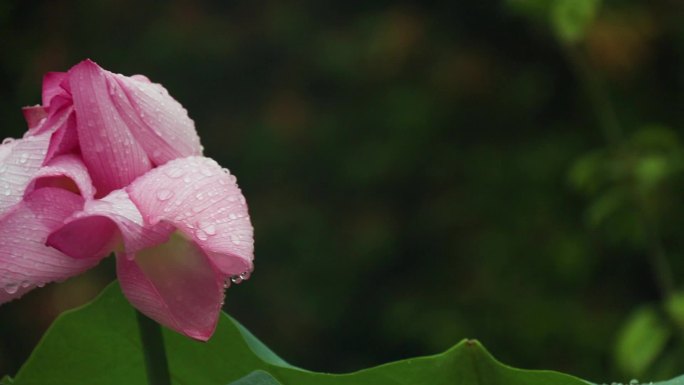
(417, 173)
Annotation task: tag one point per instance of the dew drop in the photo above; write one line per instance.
(164, 194)
(24, 157)
(174, 172)
(238, 279)
(201, 235)
(11, 288)
(7, 140)
(210, 229)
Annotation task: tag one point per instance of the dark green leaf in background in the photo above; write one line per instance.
(98, 344)
(258, 377)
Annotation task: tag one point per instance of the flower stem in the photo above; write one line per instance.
(156, 363)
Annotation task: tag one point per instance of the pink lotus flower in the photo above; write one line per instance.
(113, 163)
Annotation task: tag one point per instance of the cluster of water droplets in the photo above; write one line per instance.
(19, 159)
(236, 279)
(13, 287)
(631, 382)
(222, 207)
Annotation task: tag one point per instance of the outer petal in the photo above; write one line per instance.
(113, 156)
(20, 160)
(157, 120)
(176, 285)
(97, 229)
(25, 261)
(204, 202)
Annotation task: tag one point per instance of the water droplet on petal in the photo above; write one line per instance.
(210, 229)
(11, 288)
(174, 172)
(7, 140)
(201, 235)
(164, 194)
(238, 279)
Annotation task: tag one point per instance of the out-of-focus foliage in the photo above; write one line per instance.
(417, 172)
(641, 340)
(571, 18)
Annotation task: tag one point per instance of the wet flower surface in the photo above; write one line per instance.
(113, 164)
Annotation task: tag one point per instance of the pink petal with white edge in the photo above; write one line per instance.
(113, 155)
(157, 120)
(203, 201)
(25, 261)
(175, 284)
(20, 160)
(103, 224)
(67, 172)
